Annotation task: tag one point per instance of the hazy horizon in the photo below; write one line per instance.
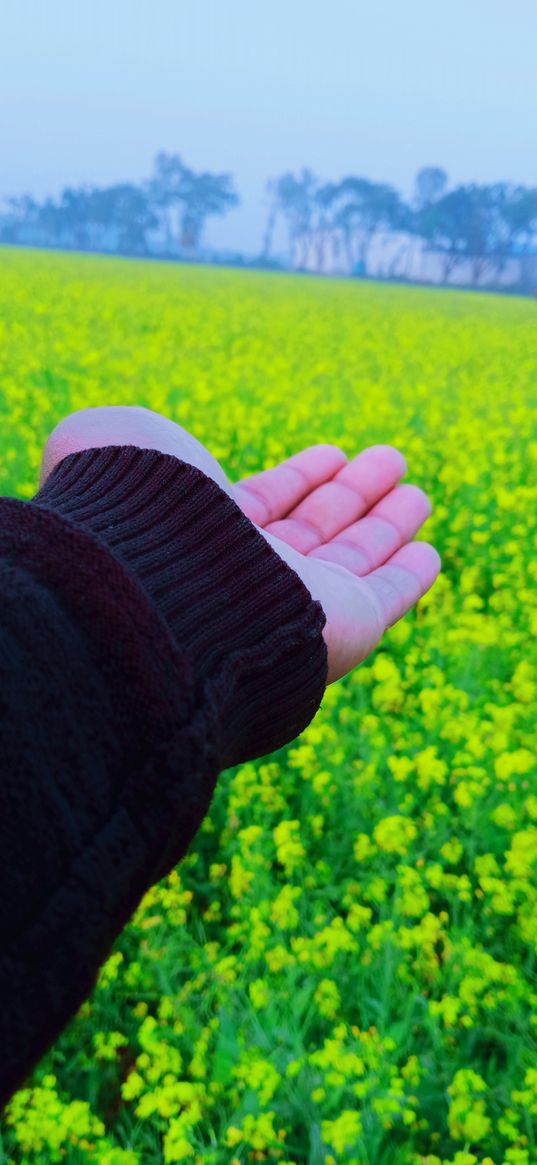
(91, 95)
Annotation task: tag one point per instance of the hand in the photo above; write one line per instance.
(345, 527)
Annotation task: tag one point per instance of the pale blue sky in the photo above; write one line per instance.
(89, 91)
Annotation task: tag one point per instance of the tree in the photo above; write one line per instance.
(362, 208)
(441, 224)
(295, 200)
(50, 221)
(520, 213)
(125, 211)
(194, 196)
(480, 227)
(74, 209)
(516, 221)
(464, 225)
(272, 190)
(23, 213)
(323, 220)
(430, 185)
(165, 190)
(203, 195)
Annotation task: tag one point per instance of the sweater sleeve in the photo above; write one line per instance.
(150, 637)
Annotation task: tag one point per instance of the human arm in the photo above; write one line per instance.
(158, 626)
(120, 703)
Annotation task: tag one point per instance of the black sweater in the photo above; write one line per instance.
(149, 638)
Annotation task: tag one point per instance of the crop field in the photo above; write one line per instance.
(343, 967)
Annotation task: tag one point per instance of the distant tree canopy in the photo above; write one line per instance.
(430, 184)
(175, 201)
(194, 197)
(482, 225)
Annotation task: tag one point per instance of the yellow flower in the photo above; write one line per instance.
(452, 851)
(518, 762)
(289, 848)
(283, 912)
(259, 993)
(342, 1133)
(467, 1119)
(431, 769)
(522, 855)
(240, 878)
(413, 897)
(359, 916)
(394, 834)
(363, 847)
(257, 1132)
(400, 766)
(505, 816)
(327, 998)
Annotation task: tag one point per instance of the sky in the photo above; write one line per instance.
(91, 91)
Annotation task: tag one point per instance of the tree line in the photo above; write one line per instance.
(175, 202)
(483, 225)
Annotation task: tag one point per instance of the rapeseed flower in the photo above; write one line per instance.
(347, 949)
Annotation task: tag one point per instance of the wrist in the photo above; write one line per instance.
(244, 619)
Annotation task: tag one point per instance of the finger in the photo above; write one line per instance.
(401, 582)
(268, 496)
(369, 542)
(347, 497)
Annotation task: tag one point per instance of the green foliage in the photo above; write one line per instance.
(342, 969)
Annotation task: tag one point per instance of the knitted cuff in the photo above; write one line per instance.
(245, 620)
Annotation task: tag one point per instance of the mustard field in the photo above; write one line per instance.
(343, 967)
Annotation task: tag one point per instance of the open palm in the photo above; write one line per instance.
(345, 527)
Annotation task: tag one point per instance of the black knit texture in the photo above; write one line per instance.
(149, 638)
(222, 589)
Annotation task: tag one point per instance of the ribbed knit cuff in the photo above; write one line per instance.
(246, 621)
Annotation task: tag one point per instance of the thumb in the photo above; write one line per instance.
(127, 425)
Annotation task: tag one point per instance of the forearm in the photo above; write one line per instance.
(99, 762)
(118, 710)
